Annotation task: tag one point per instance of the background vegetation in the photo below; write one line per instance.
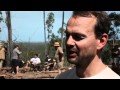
(29, 48)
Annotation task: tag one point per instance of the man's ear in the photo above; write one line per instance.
(102, 41)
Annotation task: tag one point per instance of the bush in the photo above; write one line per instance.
(106, 54)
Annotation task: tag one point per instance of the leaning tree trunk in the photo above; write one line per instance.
(8, 19)
(62, 29)
(44, 32)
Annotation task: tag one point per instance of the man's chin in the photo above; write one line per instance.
(72, 60)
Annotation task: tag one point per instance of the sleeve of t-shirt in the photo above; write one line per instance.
(18, 51)
(39, 60)
(31, 59)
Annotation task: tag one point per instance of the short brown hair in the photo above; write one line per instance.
(103, 21)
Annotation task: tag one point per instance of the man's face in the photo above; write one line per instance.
(47, 56)
(35, 56)
(81, 43)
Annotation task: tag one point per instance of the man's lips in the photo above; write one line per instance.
(72, 54)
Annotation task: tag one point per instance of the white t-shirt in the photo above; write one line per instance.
(107, 73)
(35, 60)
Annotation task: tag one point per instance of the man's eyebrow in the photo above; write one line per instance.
(79, 34)
(73, 32)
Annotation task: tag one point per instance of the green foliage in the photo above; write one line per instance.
(1, 19)
(61, 30)
(106, 54)
(115, 23)
(29, 49)
(49, 22)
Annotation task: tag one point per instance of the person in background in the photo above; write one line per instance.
(15, 59)
(2, 54)
(34, 62)
(48, 63)
(5, 61)
(115, 55)
(59, 56)
(86, 36)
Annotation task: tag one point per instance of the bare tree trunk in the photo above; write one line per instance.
(114, 38)
(8, 19)
(62, 29)
(44, 32)
(113, 42)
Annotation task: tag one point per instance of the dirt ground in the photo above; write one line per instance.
(5, 73)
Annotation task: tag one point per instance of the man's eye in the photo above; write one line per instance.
(78, 37)
(67, 35)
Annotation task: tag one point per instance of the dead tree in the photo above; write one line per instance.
(8, 22)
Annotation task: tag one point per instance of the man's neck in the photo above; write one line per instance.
(92, 69)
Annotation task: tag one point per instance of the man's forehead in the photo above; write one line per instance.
(76, 21)
(83, 25)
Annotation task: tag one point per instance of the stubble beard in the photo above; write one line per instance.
(82, 60)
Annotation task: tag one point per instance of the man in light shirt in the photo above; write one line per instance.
(86, 36)
(15, 63)
(33, 62)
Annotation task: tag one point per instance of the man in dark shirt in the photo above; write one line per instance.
(48, 63)
(115, 54)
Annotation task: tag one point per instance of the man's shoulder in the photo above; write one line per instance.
(109, 73)
(63, 75)
(59, 47)
(38, 58)
(3, 49)
(69, 74)
(32, 59)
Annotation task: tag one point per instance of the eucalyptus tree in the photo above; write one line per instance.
(114, 29)
(44, 32)
(1, 19)
(54, 38)
(8, 23)
(49, 25)
(62, 29)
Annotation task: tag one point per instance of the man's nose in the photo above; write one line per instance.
(70, 41)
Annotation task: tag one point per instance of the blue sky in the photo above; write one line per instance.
(28, 25)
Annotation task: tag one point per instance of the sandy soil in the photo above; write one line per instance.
(5, 73)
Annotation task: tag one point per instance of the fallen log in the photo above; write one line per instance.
(49, 71)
